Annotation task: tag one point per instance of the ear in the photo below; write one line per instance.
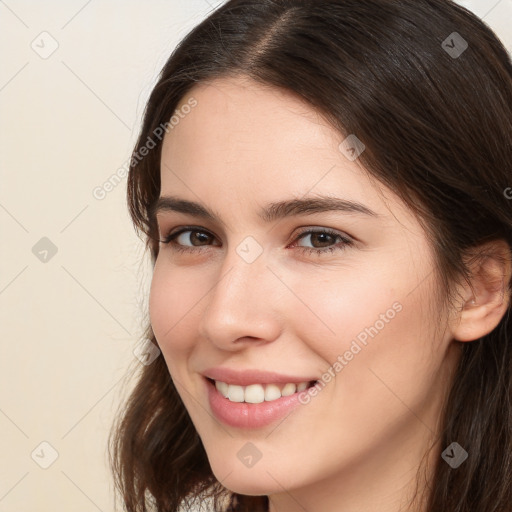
(484, 302)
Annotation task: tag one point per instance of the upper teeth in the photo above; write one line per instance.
(257, 393)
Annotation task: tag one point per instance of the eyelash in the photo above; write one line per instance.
(345, 242)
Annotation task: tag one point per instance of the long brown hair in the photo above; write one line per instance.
(436, 120)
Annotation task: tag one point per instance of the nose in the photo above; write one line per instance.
(243, 305)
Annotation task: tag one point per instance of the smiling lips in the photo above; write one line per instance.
(252, 398)
(258, 393)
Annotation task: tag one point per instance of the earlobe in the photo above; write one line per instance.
(486, 301)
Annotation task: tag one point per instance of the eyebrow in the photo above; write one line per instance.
(269, 213)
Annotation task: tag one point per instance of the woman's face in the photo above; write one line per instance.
(253, 293)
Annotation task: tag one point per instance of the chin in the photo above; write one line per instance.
(248, 481)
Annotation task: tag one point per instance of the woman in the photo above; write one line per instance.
(328, 214)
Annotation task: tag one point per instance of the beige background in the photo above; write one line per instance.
(70, 321)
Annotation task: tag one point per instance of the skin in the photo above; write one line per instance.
(357, 445)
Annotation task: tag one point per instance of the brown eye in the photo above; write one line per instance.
(195, 237)
(324, 237)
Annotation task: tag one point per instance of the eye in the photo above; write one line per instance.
(175, 240)
(200, 238)
(324, 236)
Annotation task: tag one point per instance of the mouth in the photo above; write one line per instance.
(259, 393)
(253, 406)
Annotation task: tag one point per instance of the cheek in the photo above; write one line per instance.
(173, 304)
(359, 321)
(335, 310)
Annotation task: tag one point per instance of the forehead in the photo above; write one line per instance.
(237, 115)
(251, 141)
(242, 127)
(243, 94)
